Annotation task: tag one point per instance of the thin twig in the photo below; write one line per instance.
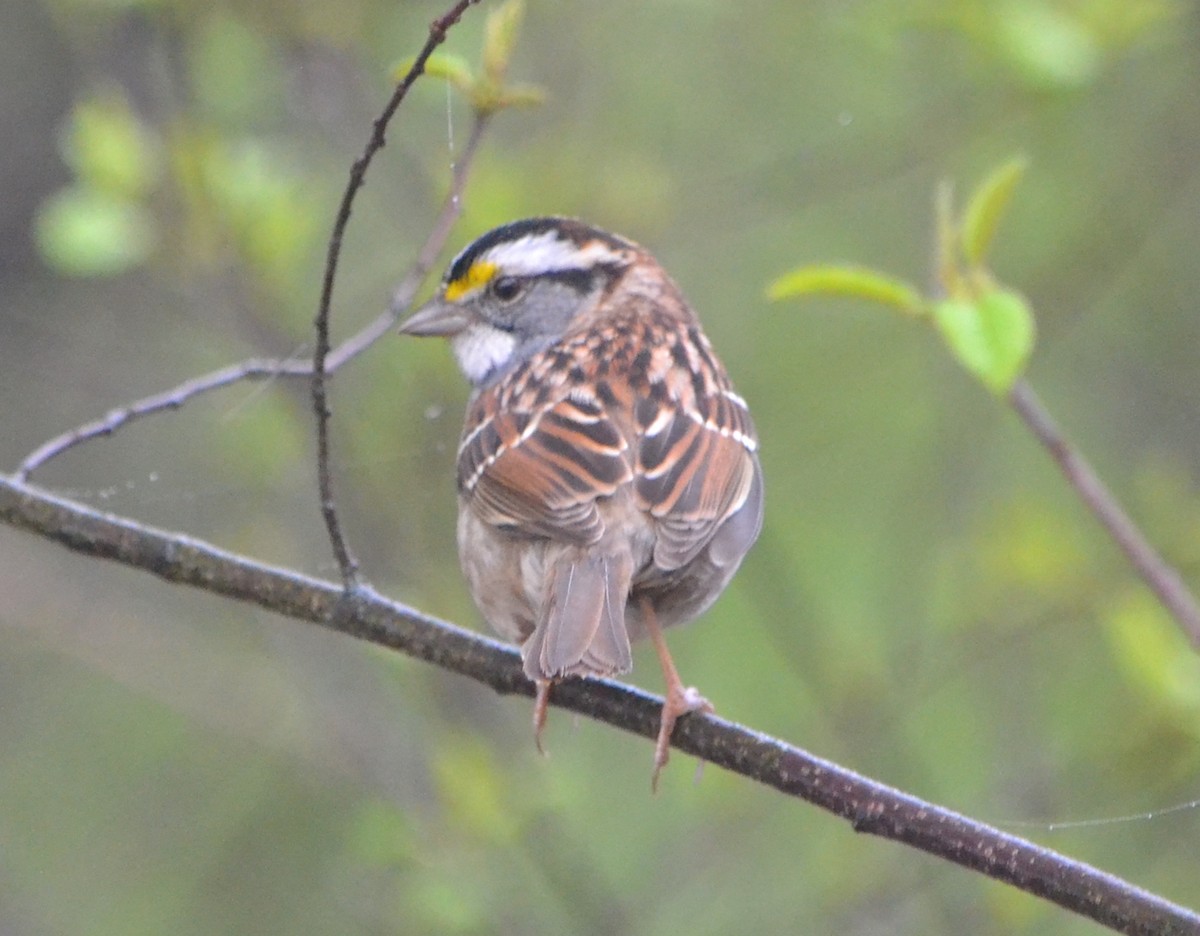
(320, 397)
(1164, 580)
(266, 368)
(869, 806)
(253, 369)
(403, 294)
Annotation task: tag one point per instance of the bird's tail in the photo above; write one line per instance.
(582, 627)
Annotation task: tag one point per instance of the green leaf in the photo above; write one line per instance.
(1047, 44)
(235, 71)
(992, 336)
(487, 92)
(85, 232)
(1153, 652)
(987, 206)
(451, 68)
(381, 834)
(438, 902)
(521, 95)
(500, 38)
(109, 148)
(851, 281)
(473, 791)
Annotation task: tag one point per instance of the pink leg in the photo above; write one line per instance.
(541, 704)
(680, 699)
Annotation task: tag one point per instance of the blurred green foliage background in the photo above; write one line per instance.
(929, 604)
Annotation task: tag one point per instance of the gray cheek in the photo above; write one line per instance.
(548, 309)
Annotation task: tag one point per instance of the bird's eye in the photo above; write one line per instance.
(507, 288)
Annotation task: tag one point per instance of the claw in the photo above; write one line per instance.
(680, 701)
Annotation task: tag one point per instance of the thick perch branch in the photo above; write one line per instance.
(869, 806)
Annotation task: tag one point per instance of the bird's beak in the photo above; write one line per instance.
(436, 318)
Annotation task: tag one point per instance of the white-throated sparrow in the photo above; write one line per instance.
(607, 476)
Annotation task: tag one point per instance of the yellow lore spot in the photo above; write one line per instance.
(478, 275)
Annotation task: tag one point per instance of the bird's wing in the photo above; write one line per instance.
(540, 469)
(696, 468)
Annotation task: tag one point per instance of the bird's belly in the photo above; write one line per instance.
(504, 574)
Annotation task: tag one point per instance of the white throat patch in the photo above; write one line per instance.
(480, 349)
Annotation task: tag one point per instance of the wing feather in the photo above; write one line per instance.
(695, 468)
(541, 472)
